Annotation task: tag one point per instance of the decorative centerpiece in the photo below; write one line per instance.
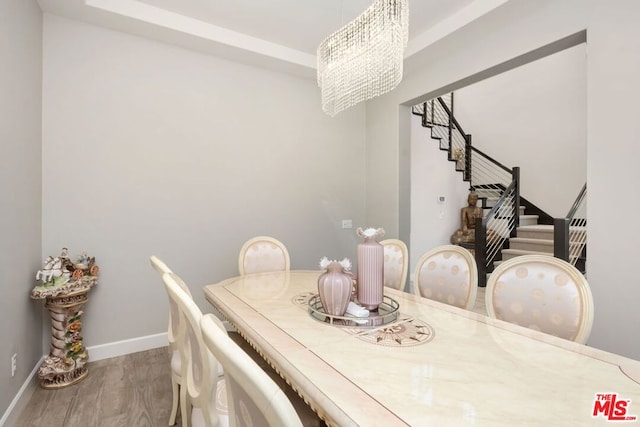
(64, 287)
(335, 286)
(370, 287)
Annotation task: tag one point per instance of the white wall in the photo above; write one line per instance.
(534, 116)
(432, 175)
(20, 192)
(514, 29)
(613, 150)
(152, 149)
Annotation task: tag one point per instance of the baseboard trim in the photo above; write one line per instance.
(133, 345)
(10, 417)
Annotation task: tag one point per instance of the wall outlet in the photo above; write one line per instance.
(347, 223)
(14, 364)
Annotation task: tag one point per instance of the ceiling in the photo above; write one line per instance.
(282, 34)
(299, 24)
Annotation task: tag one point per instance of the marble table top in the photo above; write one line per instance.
(436, 365)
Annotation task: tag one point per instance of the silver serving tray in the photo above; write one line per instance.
(387, 313)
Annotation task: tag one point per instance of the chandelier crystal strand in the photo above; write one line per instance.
(364, 58)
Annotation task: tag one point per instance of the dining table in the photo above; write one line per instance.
(430, 364)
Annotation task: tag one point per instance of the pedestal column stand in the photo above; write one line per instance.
(66, 363)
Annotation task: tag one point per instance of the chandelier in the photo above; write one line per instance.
(364, 58)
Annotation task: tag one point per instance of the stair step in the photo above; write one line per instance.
(512, 253)
(487, 209)
(529, 244)
(538, 231)
(529, 219)
(489, 192)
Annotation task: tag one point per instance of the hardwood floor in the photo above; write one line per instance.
(131, 390)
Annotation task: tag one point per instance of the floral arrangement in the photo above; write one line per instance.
(345, 263)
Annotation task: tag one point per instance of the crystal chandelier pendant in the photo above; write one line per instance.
(364, 58)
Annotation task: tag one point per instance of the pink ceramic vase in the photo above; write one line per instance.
(334, 288)
(370, 284)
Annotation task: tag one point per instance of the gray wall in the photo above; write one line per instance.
(152, 149)
(20, 191)
(514, 29)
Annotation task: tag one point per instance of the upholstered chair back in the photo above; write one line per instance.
(254, 398)
(205, 386)
(542, 293)
(263, 254)
(396, 263)
(172, 332)
(447, 274)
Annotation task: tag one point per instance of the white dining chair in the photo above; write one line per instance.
(254, 399)
(174, 327)
(159, 265)
(543, 293)
(263, 254)
(448, 274)
(396, 263)
(204, 401)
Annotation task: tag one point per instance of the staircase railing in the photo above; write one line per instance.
(479, 169)
(437, 114)
(570, 232)
(496, 227)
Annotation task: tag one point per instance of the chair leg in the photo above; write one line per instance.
(175, 388)
(185, 407)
